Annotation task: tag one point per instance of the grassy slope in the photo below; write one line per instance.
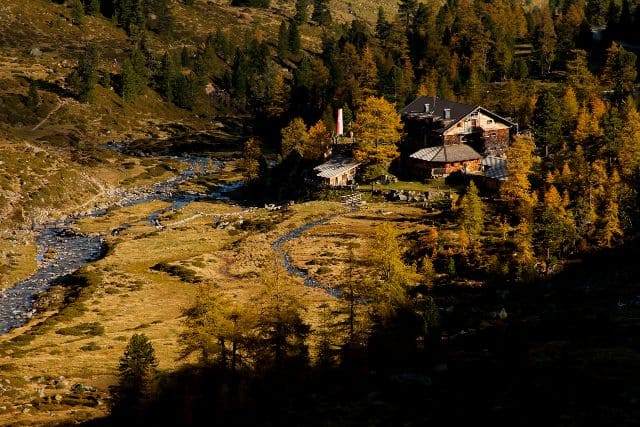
(124, 295)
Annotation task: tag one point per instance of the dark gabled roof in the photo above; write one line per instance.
(335, 167)
(447, 154)
(437, 107)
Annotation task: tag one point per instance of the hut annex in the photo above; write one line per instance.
(339, 171)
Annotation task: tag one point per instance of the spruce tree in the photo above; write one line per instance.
(294, 38)
(33, 98)
(283, 40)
(135, 374)
(301, 14)
(92, 7)
(168, 75)
(87, 75)
(471, 212)
(129, 81)
(77, 12)
(321, 12)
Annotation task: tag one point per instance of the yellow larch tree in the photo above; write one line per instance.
(319, 139)
(516, 190)
(294, 137)
(377, 131)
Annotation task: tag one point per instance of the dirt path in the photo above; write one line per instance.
(63, 102)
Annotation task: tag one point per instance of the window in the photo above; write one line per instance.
(489, 121)
(492, 135)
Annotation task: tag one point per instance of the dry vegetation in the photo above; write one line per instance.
(83, 341)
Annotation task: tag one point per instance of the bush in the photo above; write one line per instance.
(92, 346)
(183, 273)
(89, 329)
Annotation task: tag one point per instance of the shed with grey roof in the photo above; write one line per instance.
(337, 172)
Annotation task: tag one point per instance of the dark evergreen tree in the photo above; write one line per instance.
(185, 57)
(134, 75)
(407, 9)
(283, 40)
(168, 75)
(294, 38)
(239, 75)
(264, 4)
(185, 91)
(87, 74)
(321, 12)
(77, 12)
(382, 25)
(33, 97)
(548, 123)
(92, 7)
(135, 374)
(302, 15)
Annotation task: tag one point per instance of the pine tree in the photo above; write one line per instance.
(406, 10)
(609, 229)
(294, 137)
(377, 131)
(629, 155)
(87, 74)
(93, 7)
(136, 372)
(281, 332)
(129, 81)
(33, 97)
(278, 97)
(523, 242)
(517, 188)
(204, 328)
(134, 75)
(318, 142)
(294, 38)
(382, 26)
(77, 12)
(168, 76)
(471, 213)
(385, 255)
(283, 40)
(620, 71)
(321, 12)
(251, 155)
(301, 16)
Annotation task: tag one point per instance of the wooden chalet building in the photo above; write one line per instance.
(430, 121)
(337, 172)
(443, 160)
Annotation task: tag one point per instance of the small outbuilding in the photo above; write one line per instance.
(444, 160)
(337, 172)
(494, 171)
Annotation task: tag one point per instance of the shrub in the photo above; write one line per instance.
(183, 273)
(92, 346)
(89, 329)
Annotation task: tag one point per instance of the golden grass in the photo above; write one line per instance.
(129, 297)
(17, 256)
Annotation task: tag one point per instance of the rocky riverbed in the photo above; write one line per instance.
(62, 250)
